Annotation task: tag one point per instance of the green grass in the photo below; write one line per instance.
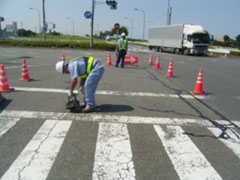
(59, 43)
(52, 37)
(234, 53)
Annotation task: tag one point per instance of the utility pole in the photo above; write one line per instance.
(92, 23)
(169, 13)
(44, 21)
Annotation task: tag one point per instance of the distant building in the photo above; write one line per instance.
(10, 30)
(220, 40)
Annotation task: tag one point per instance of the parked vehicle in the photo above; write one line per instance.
(183, 38)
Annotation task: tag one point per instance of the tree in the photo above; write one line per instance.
(122, 29)
(226, 38)
(25, 33)
(104, 34)
(54, 33)
(238, 39)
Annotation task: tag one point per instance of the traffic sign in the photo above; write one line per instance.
(117, 26)
(87, 14)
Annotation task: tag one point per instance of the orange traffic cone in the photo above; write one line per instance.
(157, 64)
(4, 86)
(25, 75)
(170, 69)
(63, 58)
(198, 89)
(150, 60)
(109, 63)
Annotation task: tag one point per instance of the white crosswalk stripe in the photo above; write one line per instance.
(113, 158)
(188, 161)
(37, 158)
(6, 124)
(232, 141)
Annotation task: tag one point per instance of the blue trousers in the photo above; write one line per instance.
(91, 84)
(121, 57)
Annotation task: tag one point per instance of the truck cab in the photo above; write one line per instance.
(195, 40)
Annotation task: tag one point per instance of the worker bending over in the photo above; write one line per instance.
(90, 71)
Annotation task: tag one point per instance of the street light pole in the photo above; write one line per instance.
(72, 22)
(143, 20)
(39, 18)
(44, 20)
(131, 25)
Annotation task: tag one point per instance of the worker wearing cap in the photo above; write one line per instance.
(90, 71)
(121, 50)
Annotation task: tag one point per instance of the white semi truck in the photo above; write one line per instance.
(182, 38)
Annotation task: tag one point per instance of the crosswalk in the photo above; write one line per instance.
(112, 150)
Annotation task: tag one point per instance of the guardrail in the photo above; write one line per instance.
(220, 51)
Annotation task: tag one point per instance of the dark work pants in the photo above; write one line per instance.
(120, 58)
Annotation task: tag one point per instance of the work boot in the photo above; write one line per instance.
(82, 106)
(87, 110)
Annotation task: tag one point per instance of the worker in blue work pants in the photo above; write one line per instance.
(121, 49)
(89, 70)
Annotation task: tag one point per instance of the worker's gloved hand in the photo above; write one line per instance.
(81, 90)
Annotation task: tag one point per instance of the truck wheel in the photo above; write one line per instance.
(185, 52)
(176, 51)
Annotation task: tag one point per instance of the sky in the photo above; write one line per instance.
(218, 17)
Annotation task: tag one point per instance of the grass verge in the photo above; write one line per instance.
(56, 44)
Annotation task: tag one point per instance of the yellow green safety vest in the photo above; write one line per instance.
(89, 63)
(123, 44)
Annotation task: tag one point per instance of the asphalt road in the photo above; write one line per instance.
(151, 118)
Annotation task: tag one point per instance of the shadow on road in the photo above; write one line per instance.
(16, 58)
(4, 103)
(201, 115)
(107, 108)
(113, 108)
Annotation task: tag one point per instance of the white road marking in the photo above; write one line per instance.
(14, 67)
(32, 52)
(233, 142)
(37, 158)
(7, 123)
(9, 55)
(114, 93)
(186, 158)
(113, 157)
(112, 118)
(180, 62)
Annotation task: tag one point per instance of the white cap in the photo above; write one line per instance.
(123, 35)
(59, 66)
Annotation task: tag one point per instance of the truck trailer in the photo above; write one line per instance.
(180, 39)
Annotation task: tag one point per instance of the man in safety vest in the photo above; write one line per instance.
(121, 49)
(90, 71)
